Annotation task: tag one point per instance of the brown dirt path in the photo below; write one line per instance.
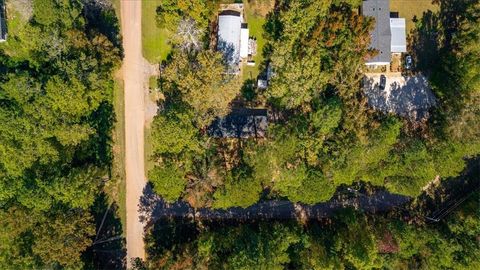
(134, 80)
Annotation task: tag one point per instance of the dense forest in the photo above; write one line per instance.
(56, 114)
(324, 134)
(349, 240)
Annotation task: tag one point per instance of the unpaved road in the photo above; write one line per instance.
(133, 76)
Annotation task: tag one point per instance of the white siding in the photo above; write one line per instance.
(399, 36)
(244, 34)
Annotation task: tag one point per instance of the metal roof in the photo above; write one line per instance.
(399, 36)
(381, 35)
(229, 23)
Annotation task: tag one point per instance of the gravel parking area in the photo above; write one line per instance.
(406, 96)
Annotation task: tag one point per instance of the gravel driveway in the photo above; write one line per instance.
(409, 96)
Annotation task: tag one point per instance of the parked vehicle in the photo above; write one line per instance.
(383, 82)
(408, 62)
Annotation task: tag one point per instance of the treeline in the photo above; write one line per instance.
(349, 240)
(56, 117)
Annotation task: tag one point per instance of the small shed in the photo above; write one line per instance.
(262, 83)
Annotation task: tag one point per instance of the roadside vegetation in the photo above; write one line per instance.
(154, 36)
(56, 95)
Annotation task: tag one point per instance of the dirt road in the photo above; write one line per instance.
(134, 80)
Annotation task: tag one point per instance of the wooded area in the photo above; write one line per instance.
(56, 114)
(349, 240)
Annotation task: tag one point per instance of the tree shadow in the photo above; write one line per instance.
(102, 17)
(3, 20)
(437, 45)
(230, 55)
(432, 39)
(249, 90)
(439, 200)
(410, 98)
(424, 42)
(169, 235)
(108, 250)
(98, 149)
(451, 15)
(153, 207)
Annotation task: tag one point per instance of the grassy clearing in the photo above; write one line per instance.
(255, 17)
(149, 163)
(154, 39)
(116, 6)
(410, 9)
(118, 191)
(153, 82)
(16, 21)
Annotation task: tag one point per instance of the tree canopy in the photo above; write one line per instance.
(56, 116)
(348, 240)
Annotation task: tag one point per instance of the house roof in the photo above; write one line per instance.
(229, 23)
(381, 35)
(399, 37)
(240, 123)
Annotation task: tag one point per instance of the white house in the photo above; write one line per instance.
(389, 35)
(233, 38)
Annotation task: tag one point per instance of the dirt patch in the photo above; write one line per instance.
(151, 107)
(396, 64)
(23, 7)
(260, 7)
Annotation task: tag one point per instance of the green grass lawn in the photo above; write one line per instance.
(116, 6)
(255, 26)
(149, 163)
(154, 39)
(118, 192)
(408, 9)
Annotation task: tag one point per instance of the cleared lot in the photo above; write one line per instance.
(406, 96)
